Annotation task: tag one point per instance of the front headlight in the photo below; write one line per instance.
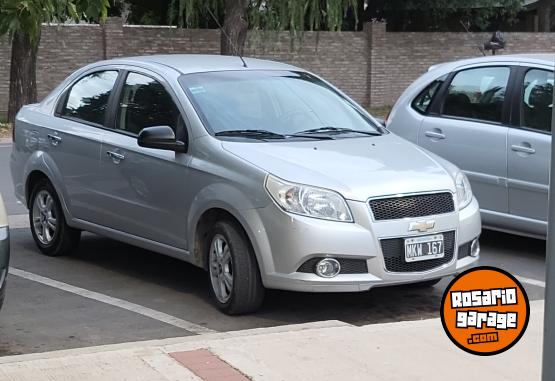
(464, 192)
(308, 201)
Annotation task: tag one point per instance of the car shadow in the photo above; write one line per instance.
(378, 305)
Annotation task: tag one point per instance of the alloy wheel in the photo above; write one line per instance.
(44, 217)
(221, 268)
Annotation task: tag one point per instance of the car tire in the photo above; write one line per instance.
(50, 231)
(234, 277)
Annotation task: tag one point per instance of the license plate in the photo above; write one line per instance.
(424, 248)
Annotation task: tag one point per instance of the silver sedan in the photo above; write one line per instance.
(490, 116)
(266, 176)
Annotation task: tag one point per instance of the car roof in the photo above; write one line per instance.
(534, 58)
(198, 63)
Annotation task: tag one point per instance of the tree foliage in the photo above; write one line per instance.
(438, 14)
(275, 15)
(26, 16)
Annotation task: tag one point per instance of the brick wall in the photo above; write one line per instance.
(398, 58)
(372, 66)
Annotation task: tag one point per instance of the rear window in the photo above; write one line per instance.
(423, 101)
(88, 98)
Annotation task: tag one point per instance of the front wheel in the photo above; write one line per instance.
(50, 231)
(235, 283)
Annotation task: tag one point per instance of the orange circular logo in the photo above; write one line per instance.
(485, 311)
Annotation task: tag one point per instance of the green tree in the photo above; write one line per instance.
(295, 16)
(21, 20)
(441, 14)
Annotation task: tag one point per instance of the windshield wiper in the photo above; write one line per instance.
(337, 130)
(265, 134)
(255, 134)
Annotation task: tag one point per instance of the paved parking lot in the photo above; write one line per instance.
(110, 292)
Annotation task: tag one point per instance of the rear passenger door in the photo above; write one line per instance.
(74, 141)
(467, 125)
(144, 187)
(530, 146)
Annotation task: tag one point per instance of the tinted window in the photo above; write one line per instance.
(145, 103)
(423, 101)
(283, 102)
(477, 94)
(88, 98)
(537, 100)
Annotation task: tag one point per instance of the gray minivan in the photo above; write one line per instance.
(263, 174)
(490, 116)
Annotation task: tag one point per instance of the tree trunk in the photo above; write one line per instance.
(23, 74)
(235, 27)
(544, 16)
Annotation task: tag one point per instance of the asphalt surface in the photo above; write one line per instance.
(38, 317)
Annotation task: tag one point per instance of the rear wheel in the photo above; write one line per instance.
(50, 231)
(235, 283)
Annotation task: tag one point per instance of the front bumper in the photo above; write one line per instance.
(4, 260)
(283, 242)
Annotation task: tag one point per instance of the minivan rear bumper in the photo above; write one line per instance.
(283, 242)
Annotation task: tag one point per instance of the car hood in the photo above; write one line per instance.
(358, 168)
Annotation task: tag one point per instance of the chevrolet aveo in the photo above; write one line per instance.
(261, 173)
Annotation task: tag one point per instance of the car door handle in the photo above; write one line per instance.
(54, 139)
(434, 135)
(524, 149)
(116, 157)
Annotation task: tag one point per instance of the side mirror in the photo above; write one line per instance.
(160, 137)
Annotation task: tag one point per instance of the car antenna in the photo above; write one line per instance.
(227, 36)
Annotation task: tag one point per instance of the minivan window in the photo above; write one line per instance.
(423, 101)
(477, 94)
(88, 98)
(537, 100)
(145, 103)
(279, 103)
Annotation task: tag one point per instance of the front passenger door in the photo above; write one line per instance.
(530, 150)
(469, 129)
(144, 187)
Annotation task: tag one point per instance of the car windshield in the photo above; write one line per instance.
(282, 104)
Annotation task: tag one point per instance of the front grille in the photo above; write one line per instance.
(464, 250)
(394, 255)
(412, 206)
(348, 266)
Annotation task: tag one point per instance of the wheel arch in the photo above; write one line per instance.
(203, 225)
(41, 166)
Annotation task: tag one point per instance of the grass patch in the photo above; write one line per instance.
(379, 112)
(5, 128)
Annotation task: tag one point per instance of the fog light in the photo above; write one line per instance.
(475, 248)
(328, 268)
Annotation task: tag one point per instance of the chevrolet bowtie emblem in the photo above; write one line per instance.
(422, 226)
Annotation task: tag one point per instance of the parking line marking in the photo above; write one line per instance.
(18, 221)
(533, 282)
(141, 310)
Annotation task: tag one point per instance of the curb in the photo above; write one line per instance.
(157, 345)
(5, 141)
